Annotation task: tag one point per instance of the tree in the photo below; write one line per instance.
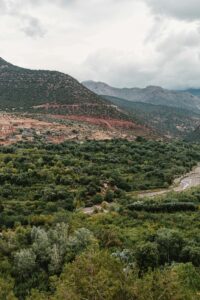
(24, 263)
(6, 289)
(147, 256)
(170, 244)
(93, 275)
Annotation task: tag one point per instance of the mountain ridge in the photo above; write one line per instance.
(151, 94)
(23, 89)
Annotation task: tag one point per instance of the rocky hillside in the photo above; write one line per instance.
(167, 121)
(49, 91)
(26, 88)
(151, 94)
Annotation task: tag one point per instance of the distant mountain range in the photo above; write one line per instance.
(195, 92)
(152, 94)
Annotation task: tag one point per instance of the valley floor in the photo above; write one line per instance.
(138, 249)
(189, 180)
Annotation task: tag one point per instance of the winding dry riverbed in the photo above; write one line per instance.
(182, 183)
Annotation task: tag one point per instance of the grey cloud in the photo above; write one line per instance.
(175, 43)
(105, 65)
(32, 27)
(141, 46)
(181, 9)
(176, 64)
(2, 7)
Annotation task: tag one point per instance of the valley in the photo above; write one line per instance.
(183, 183)
(99, 150)
(96, 187)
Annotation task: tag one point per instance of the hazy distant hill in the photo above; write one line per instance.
(195, 92)
(151, 94)
(167, 121)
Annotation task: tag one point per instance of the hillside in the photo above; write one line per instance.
(26, 88)
(151, 94)
(194, 136)
(39, 90)
(167, 121)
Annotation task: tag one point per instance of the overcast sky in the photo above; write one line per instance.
(121, 42)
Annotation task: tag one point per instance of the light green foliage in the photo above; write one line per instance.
(24, 262)
(41, 244)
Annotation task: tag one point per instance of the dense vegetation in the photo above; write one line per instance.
(50, 249)
(53, 177)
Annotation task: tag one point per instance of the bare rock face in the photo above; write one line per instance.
(151, 94)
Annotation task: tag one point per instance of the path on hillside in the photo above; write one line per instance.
(182, 183)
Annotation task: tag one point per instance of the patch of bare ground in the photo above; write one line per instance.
(106, 122)
(59, 128)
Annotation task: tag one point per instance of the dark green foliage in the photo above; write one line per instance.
(162, 207)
